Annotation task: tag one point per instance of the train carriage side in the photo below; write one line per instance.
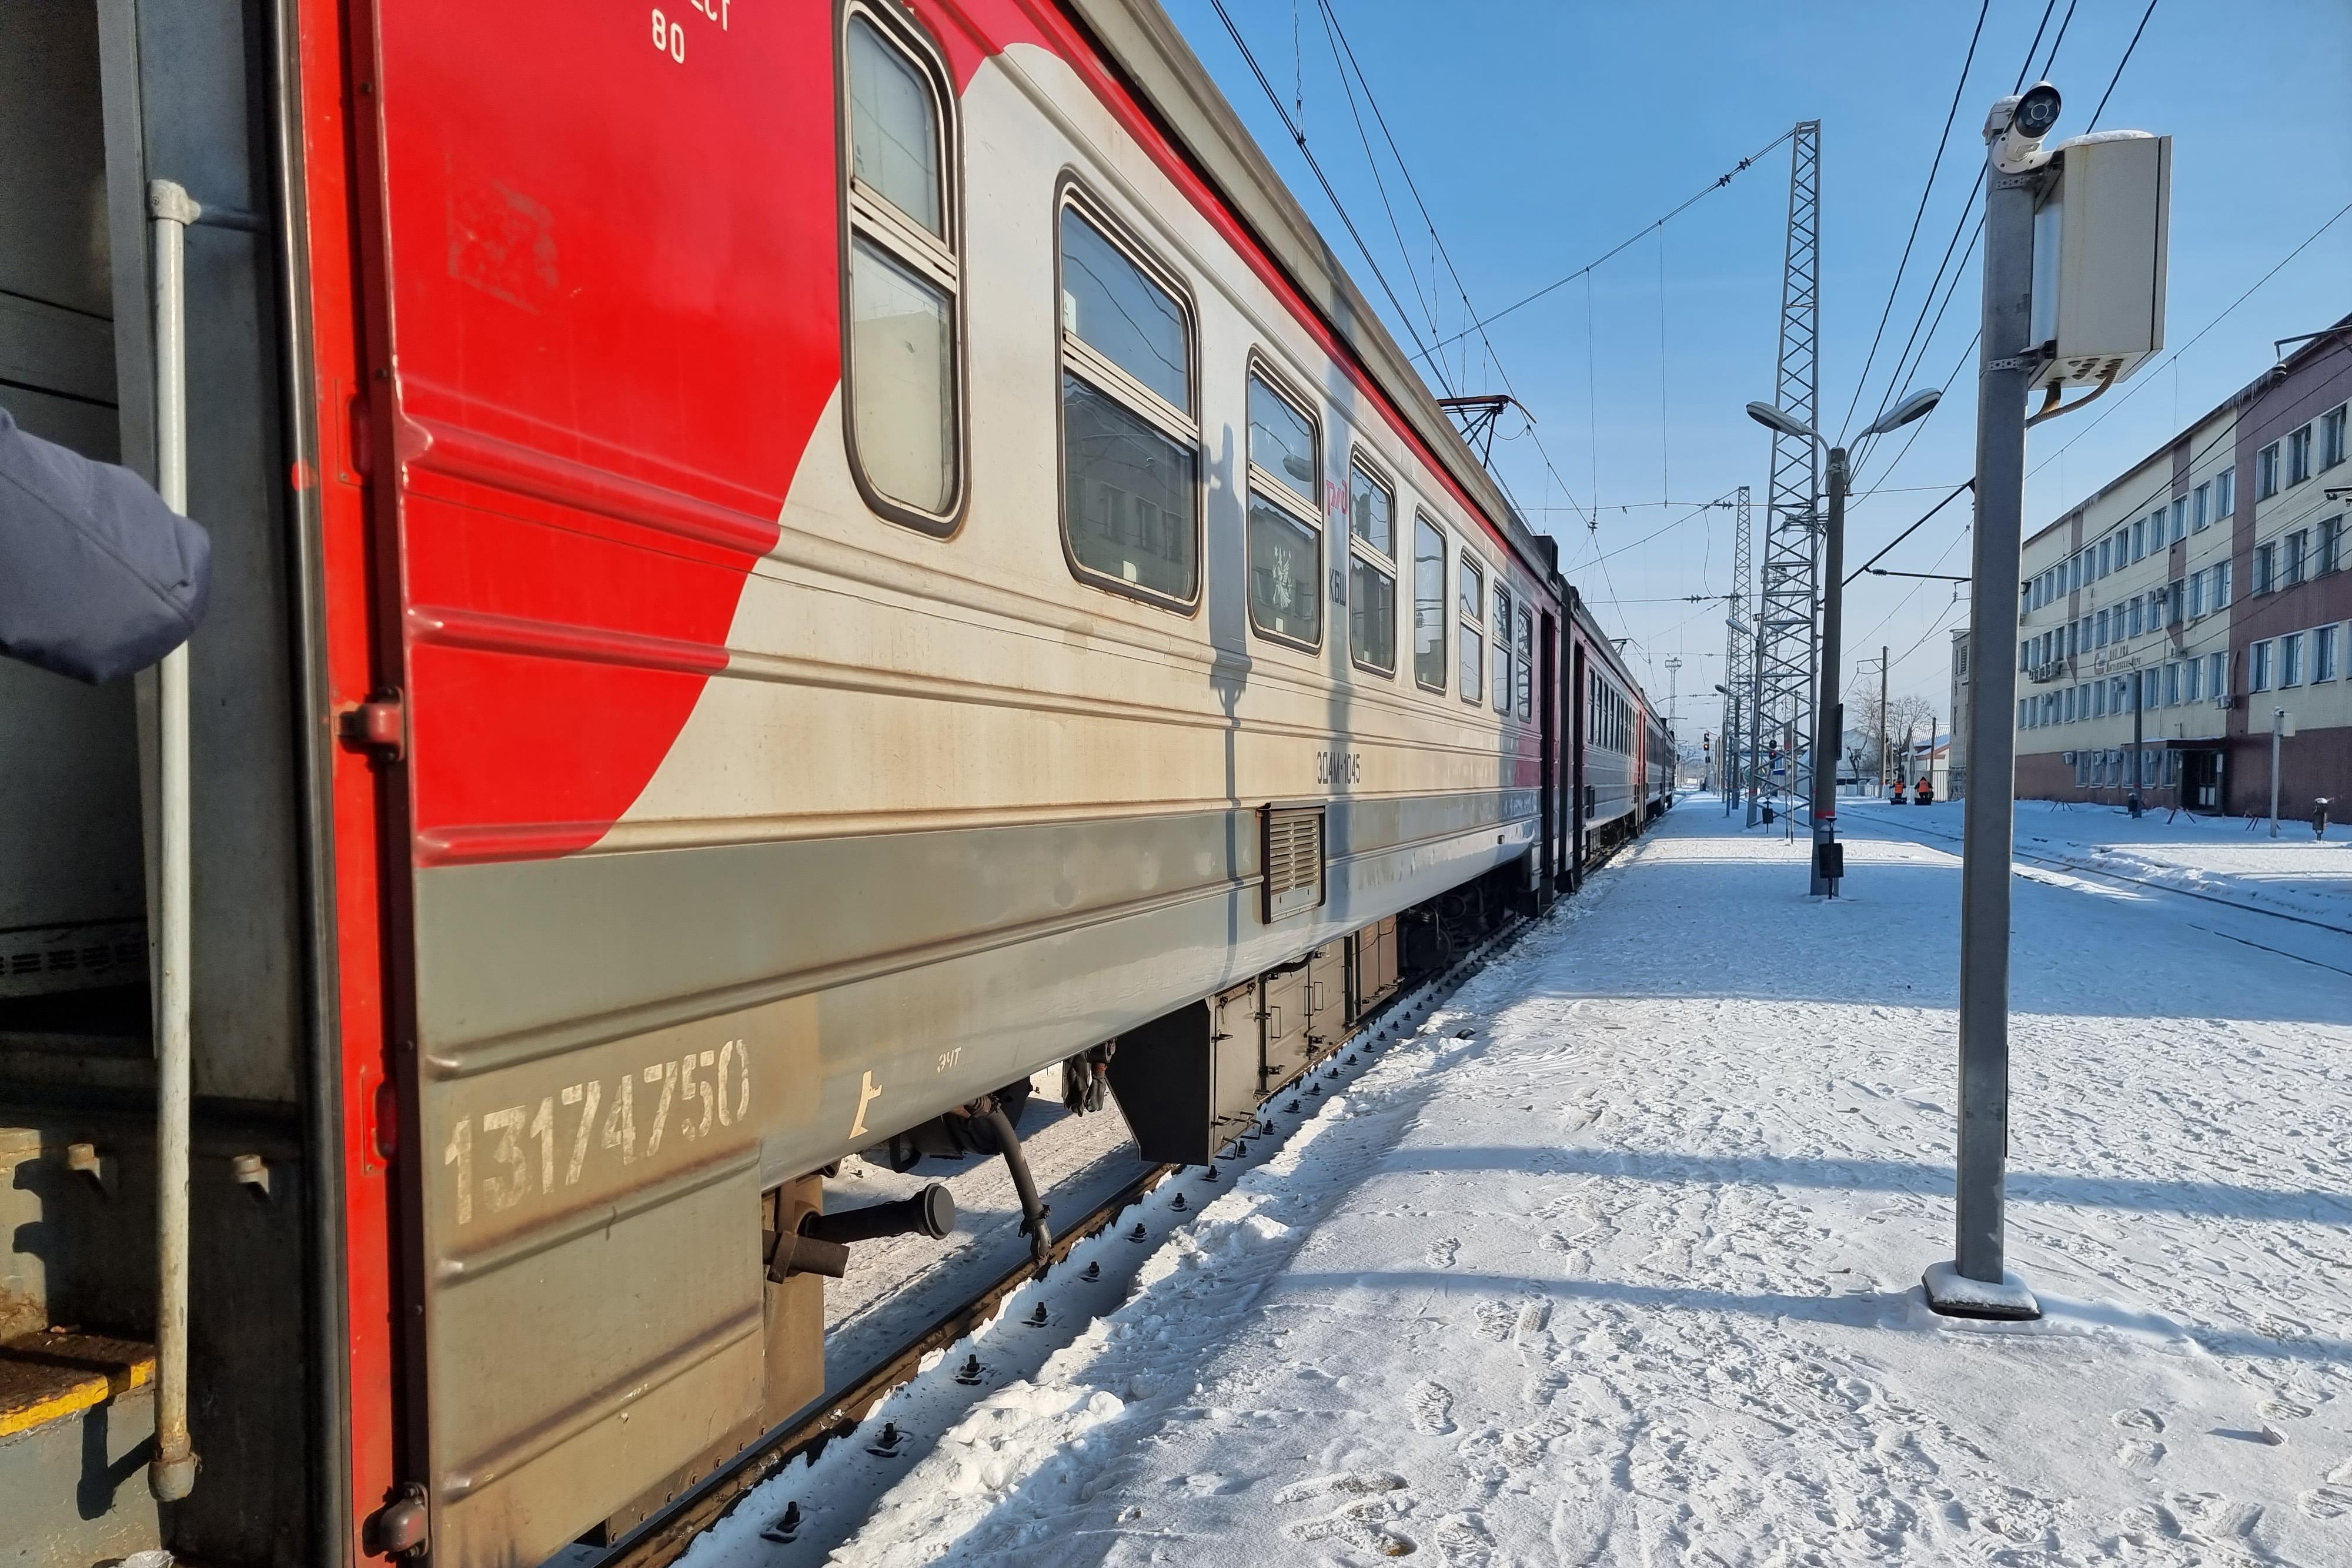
(713, 673)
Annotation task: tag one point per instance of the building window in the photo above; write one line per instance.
(2324, 654)
(904, 363)
(2179, 518)
(2199, 500)
(2025, 655)
(2217, 675)
(2258, 667)
(2105, 546)
(1471, 609)
(2147, 531)
(2266, 567)
(2290, 659)
(2196, 594)
(2222, 585)
(1428, 604)
(2172, 685)
(2132, 616)
(2225, 493)
(2025, 713)
(2298, 457)
(2099, 636)
(2176, 602)
(1286, 542)
(2331, 545)
(1130, 448)
(1371, 571)
(2266, 471)
(2331, 437)
(2189, 674)
(2298, 556)
(1526, 663)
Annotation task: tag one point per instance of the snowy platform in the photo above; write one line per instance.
(1616, 1261)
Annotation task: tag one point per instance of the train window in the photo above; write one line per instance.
(1371, 575)
(903, 362)
(1428, 603)
(1130, 446)
(1472, 610)
(1285, 544)
(1502, 690)
(1526, 663)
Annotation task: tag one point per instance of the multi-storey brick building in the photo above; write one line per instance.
(2171, 615)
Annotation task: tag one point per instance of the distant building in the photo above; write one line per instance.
(2170, 615)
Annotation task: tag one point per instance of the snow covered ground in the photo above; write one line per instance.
(1616, 1261)
(2295, 872)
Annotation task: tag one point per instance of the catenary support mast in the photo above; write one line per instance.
(1787, 624)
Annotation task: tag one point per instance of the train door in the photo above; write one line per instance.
(1580, 797)
(1548, 709)
(589, 424)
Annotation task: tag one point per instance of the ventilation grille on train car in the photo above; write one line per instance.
(1293, 858)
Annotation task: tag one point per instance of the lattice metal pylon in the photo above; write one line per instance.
(1737, 769)
(1790, 590)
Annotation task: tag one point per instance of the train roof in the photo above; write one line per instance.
(1143, 44)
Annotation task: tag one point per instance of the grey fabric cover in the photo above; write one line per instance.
(98, 576)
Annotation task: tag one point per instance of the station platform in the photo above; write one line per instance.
(1617, 1260)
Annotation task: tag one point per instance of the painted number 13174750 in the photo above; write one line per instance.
(501, 1157)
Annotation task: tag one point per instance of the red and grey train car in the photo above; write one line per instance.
(774, 574)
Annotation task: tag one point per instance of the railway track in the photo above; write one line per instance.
(667, 1536)
(2071, 868)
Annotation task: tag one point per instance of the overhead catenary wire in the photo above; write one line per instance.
(1717, 184)
(1299, 136)
(1337, 34)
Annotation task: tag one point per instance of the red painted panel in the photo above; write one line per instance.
(615, 312)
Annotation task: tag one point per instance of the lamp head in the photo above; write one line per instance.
(1916, 406)
(1769, 415)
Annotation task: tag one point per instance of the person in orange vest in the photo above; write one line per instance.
(1926, 791)
(1898, 792)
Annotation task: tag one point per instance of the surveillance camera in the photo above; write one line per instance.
(2030, 119)
(2037, 112)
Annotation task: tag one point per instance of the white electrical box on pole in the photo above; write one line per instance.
(2106, 233)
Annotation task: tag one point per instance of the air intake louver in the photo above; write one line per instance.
(1293, 858)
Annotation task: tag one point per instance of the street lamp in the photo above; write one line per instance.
(1829, 714)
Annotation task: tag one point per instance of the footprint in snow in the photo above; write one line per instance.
(1347, 1483)
(2333, 1500)
(2140, 1455)
(1496, 1320)
(2139, 1420)
(1433, 1409)
(1463, 1542)
(1442, 1251)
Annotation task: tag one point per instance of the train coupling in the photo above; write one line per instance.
(821, 1245)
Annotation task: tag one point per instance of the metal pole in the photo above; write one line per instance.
(1882, 721)
(2278, 727)
(1977, 1282)
(1828, 712)
(173, 1474)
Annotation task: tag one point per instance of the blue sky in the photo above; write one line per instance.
(1542, 134)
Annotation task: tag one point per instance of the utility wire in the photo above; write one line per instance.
(1932, 168)
(1737, 169)
(1299, 136)
(2120, 64)
(1337, 34)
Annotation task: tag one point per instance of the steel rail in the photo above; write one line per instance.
(2072, 869)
